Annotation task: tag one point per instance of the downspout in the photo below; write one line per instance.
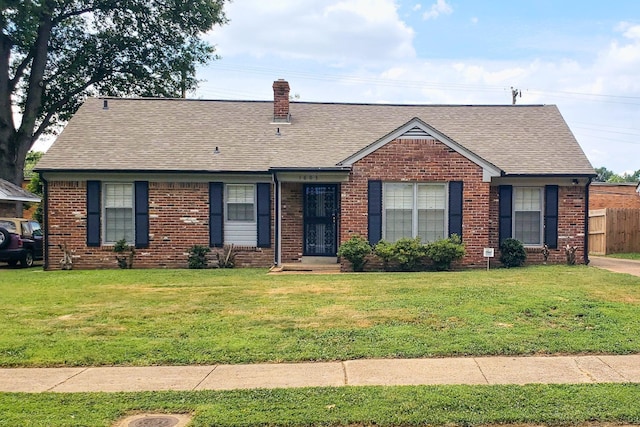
(45, 219)
(586, 221)
(276, 208)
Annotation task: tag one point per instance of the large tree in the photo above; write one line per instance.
(55, 53)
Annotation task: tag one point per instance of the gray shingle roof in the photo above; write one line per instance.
(13, 193)
(177, 134)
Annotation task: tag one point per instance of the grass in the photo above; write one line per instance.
(631, 255)
(349, 406)
(149, 317)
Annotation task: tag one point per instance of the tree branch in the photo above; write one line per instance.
(78, 12)
(20, 71)
(55, 108)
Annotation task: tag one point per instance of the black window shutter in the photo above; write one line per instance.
(375, 211)
(93, 213)
(506, 195)
(264, 215)
(216, 209)
(551, 216)
(141, 189)
(455, 208)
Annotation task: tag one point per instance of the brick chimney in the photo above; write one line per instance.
(280, 101)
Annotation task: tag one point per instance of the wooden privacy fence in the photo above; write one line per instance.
(614, 231)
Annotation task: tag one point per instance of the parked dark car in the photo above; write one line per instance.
(20, 241)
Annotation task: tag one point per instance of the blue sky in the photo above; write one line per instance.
(582, 55)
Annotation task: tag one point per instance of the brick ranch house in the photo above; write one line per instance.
(287, 182)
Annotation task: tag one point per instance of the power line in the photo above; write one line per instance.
(418, 84)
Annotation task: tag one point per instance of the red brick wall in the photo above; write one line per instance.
(292, 221)
(571, 205)
(603, 196)
(178, 219)
(414, 160)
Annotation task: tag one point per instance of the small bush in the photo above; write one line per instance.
(124, 260)
(444, 251)
(512, 253)
(384, 250)
(409, 253)
(355, 250)
(198, 256)
(227, 259)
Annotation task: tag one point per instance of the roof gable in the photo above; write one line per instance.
(417, 129)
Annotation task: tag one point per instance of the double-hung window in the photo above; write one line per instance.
(240, 219)
(527, 215)
(118, 212)
(414, 210)
(240, 202)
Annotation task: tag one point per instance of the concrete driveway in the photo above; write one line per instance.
(616, 265)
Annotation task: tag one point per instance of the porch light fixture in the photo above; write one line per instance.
(278, 132)
(574, 181)
(216, 151)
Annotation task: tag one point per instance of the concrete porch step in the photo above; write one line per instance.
(306, 268)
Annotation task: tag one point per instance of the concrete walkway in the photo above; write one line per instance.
(476, 370)
(616, 265)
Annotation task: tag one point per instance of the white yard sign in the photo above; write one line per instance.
(488, 254)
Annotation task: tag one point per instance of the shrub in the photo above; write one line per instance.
(444, 251)
(384, 250)
(512, 253)
(355, 250)
(408, 253)
(120, 248)
(227, 259)
(198, 256)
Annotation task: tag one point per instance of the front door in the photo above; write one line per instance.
(320, 219)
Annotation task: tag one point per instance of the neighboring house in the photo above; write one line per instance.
(604, 195)
(12, 198)
(289, 181)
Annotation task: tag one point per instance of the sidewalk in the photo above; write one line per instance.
(476, 370)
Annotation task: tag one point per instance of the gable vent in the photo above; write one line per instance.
(416, 133)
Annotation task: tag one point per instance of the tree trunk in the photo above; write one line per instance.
(13, 151)
(16, 143)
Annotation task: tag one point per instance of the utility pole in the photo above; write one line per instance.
(514, 94)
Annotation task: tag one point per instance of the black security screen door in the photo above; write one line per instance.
(320, 219)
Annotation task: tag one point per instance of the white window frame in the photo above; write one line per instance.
(104, 209)
(244, 232)
(226, 202)
(516, 190)
(414, 208)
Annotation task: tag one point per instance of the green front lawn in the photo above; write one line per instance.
(631, 255)
(349, 406)
(148, 317)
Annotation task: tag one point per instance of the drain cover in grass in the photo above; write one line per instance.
(155, 420)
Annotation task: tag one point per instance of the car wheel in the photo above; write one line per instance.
(5, 238)
(27, 260)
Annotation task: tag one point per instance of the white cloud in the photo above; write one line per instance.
(379, 65)
(439, 8)
(347, 31)
(474, 20)
(417, 7)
